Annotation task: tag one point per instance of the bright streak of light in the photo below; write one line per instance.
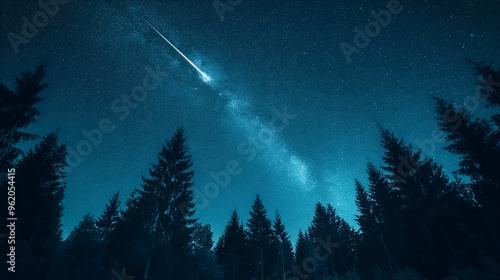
(206, 78)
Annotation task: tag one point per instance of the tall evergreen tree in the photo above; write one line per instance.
(232, 252)
(399, 158)
(39, 197)
(385, 199)
(130, 244)
(345, 244)
(477, 142)
(168, 187)
(490, 85)
(107, 221)
(154, 221)
(385, 205)
(364, 218)
(391, 196)
(17, 111)
(328, 228)
(261, 240)
(417, 212)
(478, 145)
(80, 254)
(106, 224)
(205, 260)
(285, 247)
(370, 250)
(426, 211)
(300, 248)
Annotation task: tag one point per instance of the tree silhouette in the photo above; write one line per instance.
(370, 249)
(106, 225)
(261, 240)
(17, 111)
(153, 221)
(477, 144)
(80, 254)
(490, 83)
(476, 140)
(232, 251)
(285, 247)
(39, 196)
(328, 228)
(300, 248)
(107, 221)
(205, 260)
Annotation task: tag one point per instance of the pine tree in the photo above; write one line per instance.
(231, 250)
(400, 161)
(386, 203)
(365, 218)
(107, 221)
(346, 241)
(385, 198)
(17, 111)
(39, 197)
(370, 249)
(490, 84)
(477, 144)
(300, 248)
(201, 241)
(80, 254)
(490, 89)
(285, 247)
(106, 226)
(130, 244)
(169, 187)
(426, 211)
(205, 262)
(415, 213)
(322, 228)
(154, 225)
(328, 228)
(395, 200)
(261, 240)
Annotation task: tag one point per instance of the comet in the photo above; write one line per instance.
(205, 77)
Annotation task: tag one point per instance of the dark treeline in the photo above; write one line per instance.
(414, 221)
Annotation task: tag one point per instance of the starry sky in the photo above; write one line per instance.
(282, 100)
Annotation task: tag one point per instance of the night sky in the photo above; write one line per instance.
(282, 100)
